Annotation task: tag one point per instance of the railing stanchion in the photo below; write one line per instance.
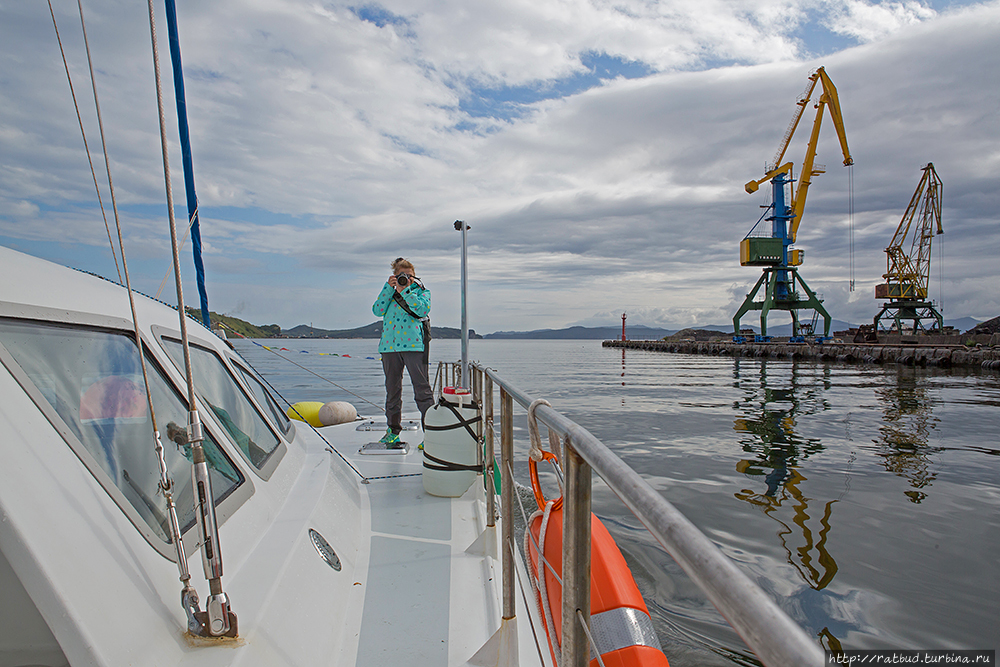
(491, 501)
(576, 558)
(476, 377)
(507, 498)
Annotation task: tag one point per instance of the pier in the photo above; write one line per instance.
(983, 353)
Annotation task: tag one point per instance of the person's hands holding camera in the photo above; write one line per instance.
(401, 280)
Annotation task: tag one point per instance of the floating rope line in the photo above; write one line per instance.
(79, 118)
(329, 445)
(304, 368)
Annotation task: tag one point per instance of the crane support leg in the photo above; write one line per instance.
(908, 316)
(813, 302)
(748, 304)
(792, 303)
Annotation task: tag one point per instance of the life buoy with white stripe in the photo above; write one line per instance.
(619, 619)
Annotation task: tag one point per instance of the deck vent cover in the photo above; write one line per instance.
(326, 552)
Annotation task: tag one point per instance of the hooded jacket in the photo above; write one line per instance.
(400, 332)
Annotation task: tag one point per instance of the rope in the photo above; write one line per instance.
(538, 584)
(79, 119)
(184, 238)
(590, 638)
(535, 454)
(329, 445)
(524, 515)
(941, 273)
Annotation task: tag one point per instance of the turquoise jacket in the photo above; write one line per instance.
(400, 332)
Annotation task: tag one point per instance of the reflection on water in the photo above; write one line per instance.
(905, 431)
(769, 409)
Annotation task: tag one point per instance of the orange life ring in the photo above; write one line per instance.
(620, 621)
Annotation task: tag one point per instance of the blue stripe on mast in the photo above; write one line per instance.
(182, 125)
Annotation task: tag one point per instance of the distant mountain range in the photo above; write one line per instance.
(637, 332)
(642, 332)
(633, 332)
(373, 330)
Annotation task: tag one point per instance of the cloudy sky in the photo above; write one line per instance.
(598, 150)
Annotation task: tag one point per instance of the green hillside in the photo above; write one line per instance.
(234, 324)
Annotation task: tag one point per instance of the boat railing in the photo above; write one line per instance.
(774, 637)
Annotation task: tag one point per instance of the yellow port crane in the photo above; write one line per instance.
(773, 250)
(908, 262)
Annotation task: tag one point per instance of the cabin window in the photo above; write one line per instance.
(264, 398)
(228, 403)
(93, 381)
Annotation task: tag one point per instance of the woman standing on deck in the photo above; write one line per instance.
(404, 305)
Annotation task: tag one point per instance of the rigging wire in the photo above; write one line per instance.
(219, 618)
(72, 92)
(100, 125)
(850, 218)
(165, 483)
(303, 367)
(183, 241)
(941, 273)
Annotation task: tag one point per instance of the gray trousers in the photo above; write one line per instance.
(416, 365)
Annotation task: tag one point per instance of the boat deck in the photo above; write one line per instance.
(430, 599)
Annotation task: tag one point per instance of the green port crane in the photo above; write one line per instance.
(908, 271)
(774, 251)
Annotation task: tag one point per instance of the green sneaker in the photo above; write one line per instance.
(390, 438)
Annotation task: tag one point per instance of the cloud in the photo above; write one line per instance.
(602, 168)
(868, 22)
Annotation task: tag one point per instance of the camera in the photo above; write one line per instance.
(402, 280)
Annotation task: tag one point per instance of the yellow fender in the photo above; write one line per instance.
(323, 414)
(306, 411)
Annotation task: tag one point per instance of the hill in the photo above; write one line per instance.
(234, 324)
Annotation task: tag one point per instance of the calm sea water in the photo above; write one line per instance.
(864, 500)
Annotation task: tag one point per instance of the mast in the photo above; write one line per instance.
(182, 126)
(464, 228)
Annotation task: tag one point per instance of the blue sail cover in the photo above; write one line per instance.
(182, 124)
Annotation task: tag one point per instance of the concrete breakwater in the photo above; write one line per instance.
(906, 354)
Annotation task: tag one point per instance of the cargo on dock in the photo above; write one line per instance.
(983, 354)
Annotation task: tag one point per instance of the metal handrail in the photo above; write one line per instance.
(774, 637)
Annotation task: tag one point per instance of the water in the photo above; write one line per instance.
(864, 500)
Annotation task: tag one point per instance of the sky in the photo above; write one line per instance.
(597, 149)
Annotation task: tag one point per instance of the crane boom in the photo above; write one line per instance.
(831, 101)
(910, 271)
(828, 99)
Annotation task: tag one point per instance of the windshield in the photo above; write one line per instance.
(263, 396)
(235, 412)
(93, 381)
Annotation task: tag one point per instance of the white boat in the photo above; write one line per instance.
(329, 551)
